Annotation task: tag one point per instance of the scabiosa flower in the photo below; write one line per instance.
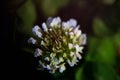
(58, 43)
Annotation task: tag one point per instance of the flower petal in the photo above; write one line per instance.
(36, 31)
(72, 22)
(84, 39)
(38, 52)
(55, 21)
(62, 67)
(44, 26)
(31, 40)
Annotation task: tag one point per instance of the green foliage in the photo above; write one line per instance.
(100, 27)
(117, 39)
(101, 50)
(101, 55)
(51, 7)
(27, 15)
(95, 71)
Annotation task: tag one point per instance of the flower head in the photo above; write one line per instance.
(58, 44)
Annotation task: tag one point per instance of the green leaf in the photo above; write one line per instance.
(106, 51)
(92, 46)
(27, 15)
(99, 27)
(105, 72)
(51, 7)
(118, 77)
(79, 74)
(95, 71)
(101, 50)
(117, 38)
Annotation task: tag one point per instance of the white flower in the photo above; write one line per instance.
(55, 21)
(70, 45)
(38, 52)
(58, 43)
(44, 26)
(31, 40)
(36, 31)
(62, 67)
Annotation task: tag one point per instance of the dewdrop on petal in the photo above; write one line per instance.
(59, 43)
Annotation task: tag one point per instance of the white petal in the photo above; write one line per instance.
(61, 59)
(77, 48)
(72, 22)
(70, 45)
(31, 40)
(84, 39)
(72, 53)
(75, 59)
(78, 33)
(42, 64)
(44, 26)
(71, 63)
(71, 35)
(64, 40)
(62, 67)
(80, 49)
(42, 42)
(69, 24)
(64, 55)
(36, 31)
(76, 29)
(47, 59)
(55, 21)
(52, 55)
(48, 67)
(65, 25)
(49, 20)
(78, 55)
(36, 28)
(38, 52)
(66, 33)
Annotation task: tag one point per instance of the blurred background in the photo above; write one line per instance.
(99, 19)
